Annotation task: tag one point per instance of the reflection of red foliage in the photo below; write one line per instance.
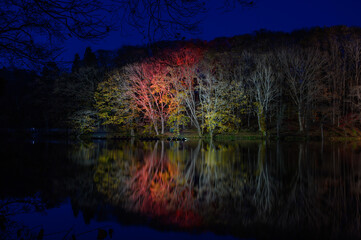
(157, 192)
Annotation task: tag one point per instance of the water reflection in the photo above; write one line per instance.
(246, 189)
(290, 187)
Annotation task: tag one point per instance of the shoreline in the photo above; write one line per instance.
(333, 135)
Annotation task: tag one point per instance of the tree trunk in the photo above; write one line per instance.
(279, 119)
(248, 119)
(156, 128)
(162, 120)
(300, 120)
(199, 130)
(322, 133)
(333, 112)
(261, 122)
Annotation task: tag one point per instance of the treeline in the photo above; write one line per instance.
(268, 81)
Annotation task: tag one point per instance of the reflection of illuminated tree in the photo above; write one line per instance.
(84, 153)
(113, 171)
(299, 206)
(152, 185)
(342, 190)
(212, 174)
(263, 196)
(319, 194)
(220, 185)
(158, 188)
(208, 184)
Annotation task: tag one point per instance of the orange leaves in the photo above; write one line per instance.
(153, 89)
(157, 84)
(160, 190)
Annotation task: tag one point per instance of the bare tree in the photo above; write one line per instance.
(335, 78)
(353, 50)
(302, 69)
(355, 99)
(264, 88)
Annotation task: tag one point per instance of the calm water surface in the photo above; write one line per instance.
(180, 190)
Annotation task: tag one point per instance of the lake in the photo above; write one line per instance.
(180, 190)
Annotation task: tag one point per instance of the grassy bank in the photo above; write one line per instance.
(329, 134)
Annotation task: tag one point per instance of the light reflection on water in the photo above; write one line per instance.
(239, 189)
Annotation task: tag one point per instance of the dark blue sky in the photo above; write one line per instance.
(276, 15)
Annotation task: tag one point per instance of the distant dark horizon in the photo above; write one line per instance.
(278, 16)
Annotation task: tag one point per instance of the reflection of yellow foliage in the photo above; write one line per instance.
(83, 153)
(171, 182)
(176, 156)
(106, 171)
(261, 158)
(218, 156)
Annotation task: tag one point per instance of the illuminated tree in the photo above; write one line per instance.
(232, 68)
(84, 121)
(217, 97)
(263, 88)
(114, 104)
(152, 92)
(177, 116)
(182, 71)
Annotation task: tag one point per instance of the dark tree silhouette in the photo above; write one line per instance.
(31, 30)
(76, 63)
(168, 19)
(2, 86)
(90, 60)
(50, 69)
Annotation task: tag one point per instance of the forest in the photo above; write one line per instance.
(272, 83)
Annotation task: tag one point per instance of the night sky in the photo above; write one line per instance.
(275, 15)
